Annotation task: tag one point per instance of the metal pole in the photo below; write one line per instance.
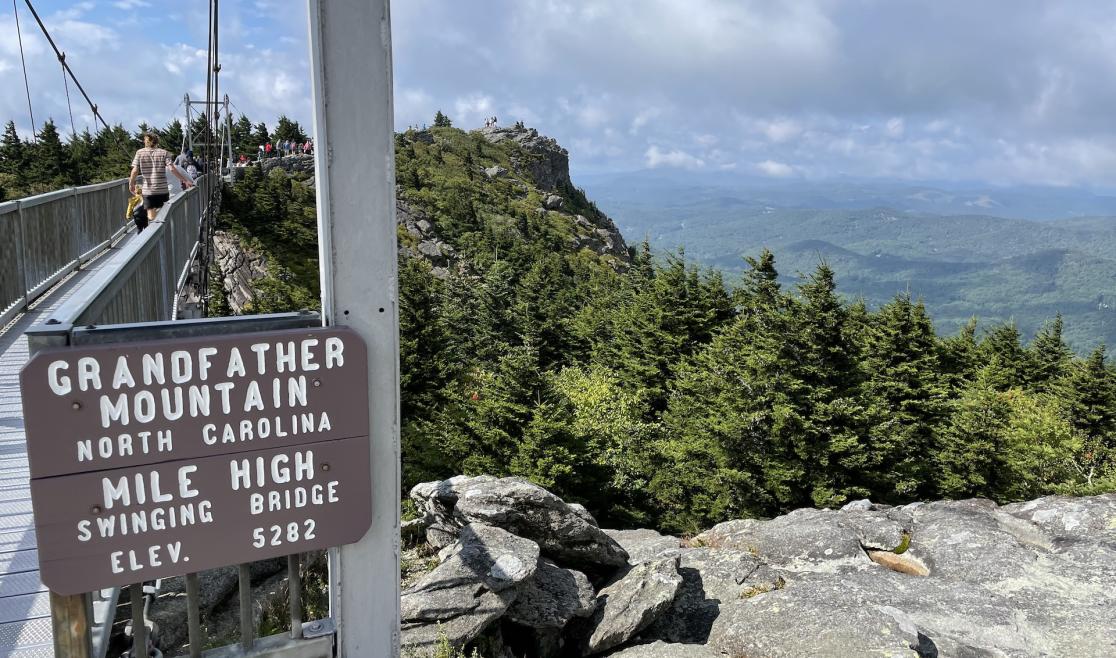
(247, 628)
(294, 594)
(193, 615)
(189, 132)
(139, 626)
(350, 55)
(21, 257)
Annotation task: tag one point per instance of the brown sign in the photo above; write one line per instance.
(154, 459)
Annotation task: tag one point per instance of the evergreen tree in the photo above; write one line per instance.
(833, 450)
(173, 137)
(260, 135)
(13, 154)
(1009, 363)
(243, 143)
(1089, 395)
(959, 357)
(83, 159)
(1050, 357)
(49, 161)
(905, 393)
(286, 129)
(972, 443)
(441, 120)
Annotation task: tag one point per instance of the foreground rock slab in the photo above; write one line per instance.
(565, 534)
(470, 589)
(667, 650)
(631, 604)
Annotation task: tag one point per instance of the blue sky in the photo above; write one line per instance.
(998, 91)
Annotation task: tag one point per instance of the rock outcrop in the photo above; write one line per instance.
(240, 268)
(949, 578)
(547, 163)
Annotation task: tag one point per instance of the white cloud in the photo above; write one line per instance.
(642, 117)
(470, 110)
(127, 5)
(781, 130)
(774, 169)
(894, 127)
(656, 157)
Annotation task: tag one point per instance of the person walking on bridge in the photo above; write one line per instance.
(152, 162)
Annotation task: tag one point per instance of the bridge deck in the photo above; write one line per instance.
(25, 628)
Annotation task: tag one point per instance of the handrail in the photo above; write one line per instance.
(121, 290)
(43, 238)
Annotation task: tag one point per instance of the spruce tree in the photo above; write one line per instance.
(1003, 353)
(441, 120)
(972, 443)
(1050, 357)
(49, 161)
(832, 448)
(260, 135)
(13, 155)
(1089, 395)
(905, 394)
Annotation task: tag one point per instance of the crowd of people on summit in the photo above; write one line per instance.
(282, 148)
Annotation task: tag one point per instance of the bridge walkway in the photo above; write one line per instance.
(25, 625)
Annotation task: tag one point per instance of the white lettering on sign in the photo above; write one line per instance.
(294, 498)
(125, 492)
(262, 428)
(248, 473)
(124, 445)
(153, 555)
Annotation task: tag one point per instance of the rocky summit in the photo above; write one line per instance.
(520, 572)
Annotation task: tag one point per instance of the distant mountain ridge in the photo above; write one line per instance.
(675, 187)
(974, 264)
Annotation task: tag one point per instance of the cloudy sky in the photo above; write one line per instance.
(999, 91)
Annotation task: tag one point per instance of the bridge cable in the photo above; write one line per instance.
(66, 68)
(69, 107)
(26, 85)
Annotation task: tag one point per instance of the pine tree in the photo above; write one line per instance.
(173, 137)
(260, 135)
(13, 154)
(958, 356)
(905, 395)
(49, 161)
(243, 144)
(83, 165)
(1050, 357)
(285, 129)
(1003, 353)
(441, 120)
(1089, 395)
(832, 448)
(972, 443)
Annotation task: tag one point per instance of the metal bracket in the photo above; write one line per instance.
(318, 628)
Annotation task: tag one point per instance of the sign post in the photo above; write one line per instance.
(154, 459)
(350, 57)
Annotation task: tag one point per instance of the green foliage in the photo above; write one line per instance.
(441, 120)
(287, 129)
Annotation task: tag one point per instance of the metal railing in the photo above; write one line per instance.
(43, 238)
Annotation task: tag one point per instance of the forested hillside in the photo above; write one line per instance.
(998, 269)
(656, 395)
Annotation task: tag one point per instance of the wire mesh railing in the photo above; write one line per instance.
(43, 238)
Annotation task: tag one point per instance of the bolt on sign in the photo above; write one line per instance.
(155, 459)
